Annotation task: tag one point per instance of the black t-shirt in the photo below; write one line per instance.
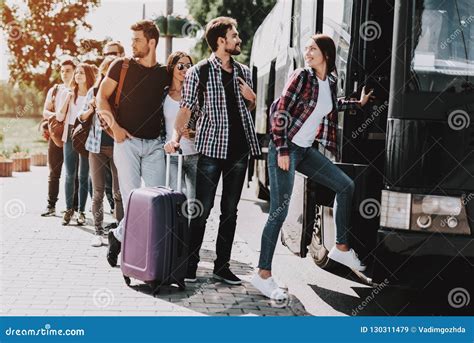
(238, 146)
(141, 98)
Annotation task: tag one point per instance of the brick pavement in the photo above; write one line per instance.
(48, 269)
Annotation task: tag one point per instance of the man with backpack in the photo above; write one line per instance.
(225, 136)
(54, 100)
(136, 121)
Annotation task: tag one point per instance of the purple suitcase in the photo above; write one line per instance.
(156, 235)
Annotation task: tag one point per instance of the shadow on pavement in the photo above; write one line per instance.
(215, 298)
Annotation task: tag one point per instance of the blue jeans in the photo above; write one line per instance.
(75, 162)
(137, 158)
(209, 171)
(318, 168)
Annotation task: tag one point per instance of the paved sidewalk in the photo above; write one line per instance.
(48, 269)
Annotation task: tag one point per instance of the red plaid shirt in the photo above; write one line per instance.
(296, 104)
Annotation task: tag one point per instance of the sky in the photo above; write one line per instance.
(114, 18)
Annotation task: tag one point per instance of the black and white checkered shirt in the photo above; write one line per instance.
(212, 131)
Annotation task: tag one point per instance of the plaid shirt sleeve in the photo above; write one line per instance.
(189, 92)
(281, 119)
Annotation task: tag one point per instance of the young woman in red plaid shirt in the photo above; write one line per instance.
(307, 112)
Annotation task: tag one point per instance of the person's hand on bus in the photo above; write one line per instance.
(365, 97)
(171, 147)
(284, 162)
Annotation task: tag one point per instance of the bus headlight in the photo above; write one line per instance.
(395, 210)
(432, 204)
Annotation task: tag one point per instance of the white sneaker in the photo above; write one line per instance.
(96, 241)
(269, 288)
(347, 258)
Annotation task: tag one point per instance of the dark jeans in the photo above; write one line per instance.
(317, 167)
(108, 187)
(55, 163)
(76, 166)
(209, 171)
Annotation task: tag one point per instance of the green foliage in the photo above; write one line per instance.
(248, 13)
(40, 34)
(20, 100)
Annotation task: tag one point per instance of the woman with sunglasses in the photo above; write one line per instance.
(178, 64)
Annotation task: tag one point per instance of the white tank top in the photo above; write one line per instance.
(170, 109)
(307, 133)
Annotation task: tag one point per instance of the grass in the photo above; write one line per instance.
(23, 132)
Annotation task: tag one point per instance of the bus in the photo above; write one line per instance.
(410, 152)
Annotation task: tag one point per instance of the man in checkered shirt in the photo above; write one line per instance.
(225, 137)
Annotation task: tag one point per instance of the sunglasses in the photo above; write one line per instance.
(181, 66)
(112, 53)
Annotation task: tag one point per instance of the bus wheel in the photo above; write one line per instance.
(262, 192)
(316, 247)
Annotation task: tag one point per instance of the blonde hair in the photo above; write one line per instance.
(103, 68)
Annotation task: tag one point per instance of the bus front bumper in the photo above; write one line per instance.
(416, 260)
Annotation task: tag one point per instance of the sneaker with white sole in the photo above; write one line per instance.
(96, 240)
(347, 258)
(269, 288)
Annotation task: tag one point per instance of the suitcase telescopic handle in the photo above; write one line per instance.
(180, 170)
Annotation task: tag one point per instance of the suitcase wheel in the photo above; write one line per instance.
(127, 280)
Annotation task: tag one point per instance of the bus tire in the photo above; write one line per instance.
(318, 251)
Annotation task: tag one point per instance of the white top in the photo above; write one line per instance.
(58, 100)
(72, 113)
(307, 133)
(75, 108)
(170, 109)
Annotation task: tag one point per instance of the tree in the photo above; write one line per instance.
(248, 13)
(42, 31)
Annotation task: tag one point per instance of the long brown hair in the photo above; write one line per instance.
(90, 71)
(328, 49)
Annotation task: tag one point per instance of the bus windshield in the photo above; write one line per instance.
(443, 46)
